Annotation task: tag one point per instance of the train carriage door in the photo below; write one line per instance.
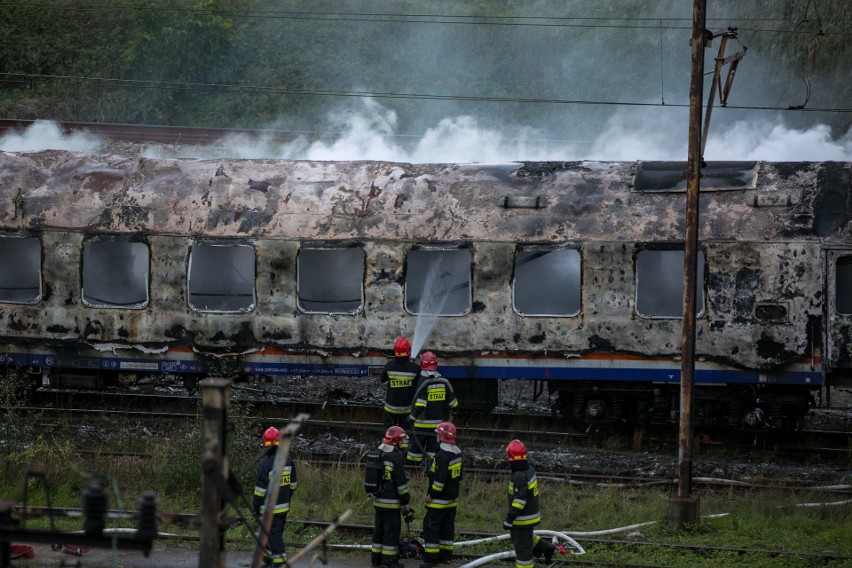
(838, 356)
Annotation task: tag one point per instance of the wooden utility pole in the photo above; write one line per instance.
(683, 509)
(214, 466)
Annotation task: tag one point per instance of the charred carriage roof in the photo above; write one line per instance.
(554, 201)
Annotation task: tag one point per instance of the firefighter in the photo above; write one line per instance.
(275, 553)
(524, 511)
(401, 376)
(390, 501)
(434, 402)
(439, 524)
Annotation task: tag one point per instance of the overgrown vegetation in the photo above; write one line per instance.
(763, 520)
(252, 63)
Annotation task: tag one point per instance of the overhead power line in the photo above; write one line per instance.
(452, 19)
(233, 88)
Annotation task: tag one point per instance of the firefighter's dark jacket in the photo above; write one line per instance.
(524, 509)
(401, 376)
(433, 401)
(445, 474)
(261, 484)
(394, 492)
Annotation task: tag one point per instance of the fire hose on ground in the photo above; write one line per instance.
(559, 538)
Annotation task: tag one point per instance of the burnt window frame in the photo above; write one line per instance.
(436, 248)
(40, 245)
(844, 260)
(98, 303)
(701, 287)
(221, 244)
(312, 247)
(546, 250)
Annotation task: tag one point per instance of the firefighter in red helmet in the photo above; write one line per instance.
(400, 376)
(524, 509)
(439, 524)
(275, 553)
(434, 402)
(390, 501)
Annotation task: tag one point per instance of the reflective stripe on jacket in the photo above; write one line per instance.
(288, 482)
(445, 474)
(524, 507)
(401, 376)
(433, 401)
(394, 492)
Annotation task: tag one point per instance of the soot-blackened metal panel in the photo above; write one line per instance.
(762, 246)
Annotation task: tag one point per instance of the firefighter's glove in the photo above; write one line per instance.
(408, 515)
(510, 517)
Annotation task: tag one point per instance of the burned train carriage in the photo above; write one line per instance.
(566, 273)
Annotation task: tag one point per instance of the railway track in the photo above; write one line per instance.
(362, 533)
(364, 420)
(190, 135)
(332, 444)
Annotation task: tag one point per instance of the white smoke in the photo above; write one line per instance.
(777, 142)
(372, 133)
(47, 135)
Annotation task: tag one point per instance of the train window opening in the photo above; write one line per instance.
(330, 281)
(437, 282)
(221, 278)
(715, 176)
(115, 274)
(843, 285)
(20, 284)
(547, 282)
(659, 284)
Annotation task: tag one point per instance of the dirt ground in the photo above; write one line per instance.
(164, 556)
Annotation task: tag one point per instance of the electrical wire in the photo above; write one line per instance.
(461, 19)
(234, 88)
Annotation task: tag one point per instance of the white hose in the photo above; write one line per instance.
(610, 531)
(490, 558)
(830, 504)
(353, 546)
(560, 536)
(565, 536)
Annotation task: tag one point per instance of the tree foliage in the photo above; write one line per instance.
(248, 63)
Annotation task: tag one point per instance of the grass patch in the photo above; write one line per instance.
(766, 520)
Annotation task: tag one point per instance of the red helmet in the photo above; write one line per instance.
(516, 451)
(446, 432)
(428, 361)
(272, 437)
(402, 348)
(395, 436)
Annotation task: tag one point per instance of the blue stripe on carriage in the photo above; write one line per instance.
(638, 374)
(104, 363)
(629, 374)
